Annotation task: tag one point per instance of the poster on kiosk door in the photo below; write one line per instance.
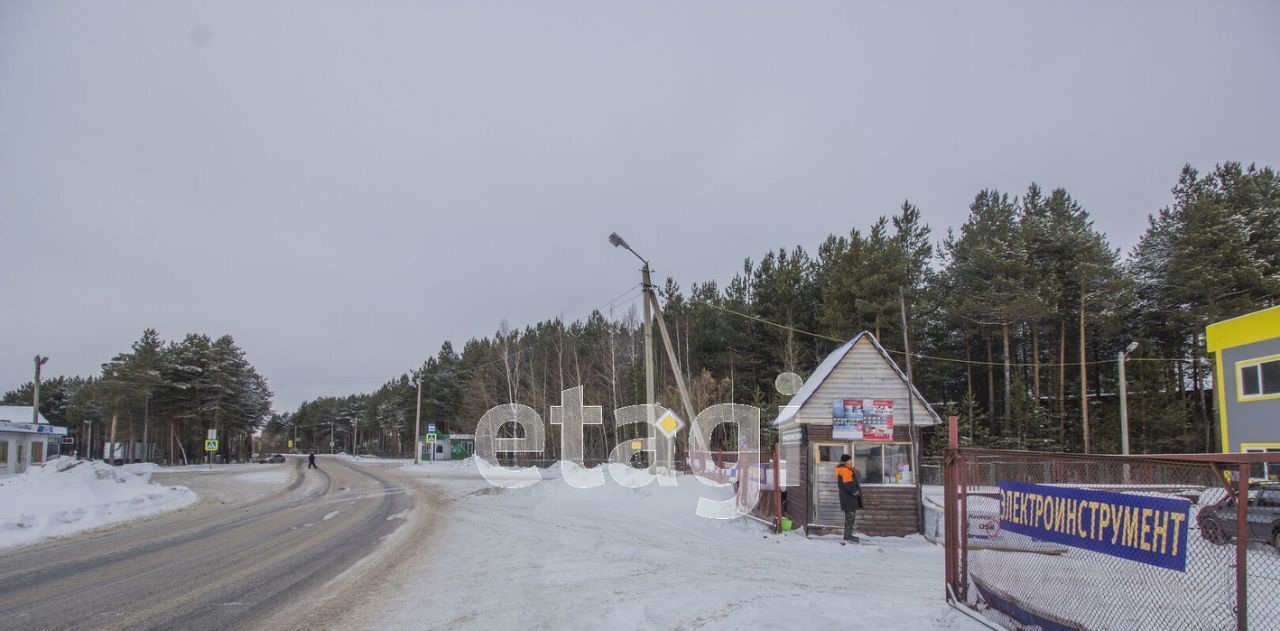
(862, 419)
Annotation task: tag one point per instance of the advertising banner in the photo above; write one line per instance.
(1142, 528)
(862, 419)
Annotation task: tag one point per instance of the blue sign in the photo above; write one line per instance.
(1151, 530)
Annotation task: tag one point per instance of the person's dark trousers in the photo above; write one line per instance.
(849, 517)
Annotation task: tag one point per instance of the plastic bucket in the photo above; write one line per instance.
(786, 524)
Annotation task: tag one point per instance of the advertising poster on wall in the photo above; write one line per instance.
(879, 419)
(862, 419)
(846, 419)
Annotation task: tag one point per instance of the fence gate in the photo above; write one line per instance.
(1064, 541)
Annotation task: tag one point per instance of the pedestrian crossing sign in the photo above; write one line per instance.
(210, 445)
(431, 438)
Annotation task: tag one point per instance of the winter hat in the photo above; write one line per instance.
(846, 458)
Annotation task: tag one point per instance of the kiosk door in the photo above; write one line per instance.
(826, 495)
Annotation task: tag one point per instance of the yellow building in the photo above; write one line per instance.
(1247, 382)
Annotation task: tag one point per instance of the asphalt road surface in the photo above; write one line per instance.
(267, 561)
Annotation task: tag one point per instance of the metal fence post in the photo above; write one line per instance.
(777, 486)
(949, 508)
(1242, 548)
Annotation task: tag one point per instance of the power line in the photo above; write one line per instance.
(931, 357)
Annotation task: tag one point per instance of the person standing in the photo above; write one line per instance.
(311, 461)
(850, 494)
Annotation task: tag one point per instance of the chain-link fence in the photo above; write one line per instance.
(1062, 541)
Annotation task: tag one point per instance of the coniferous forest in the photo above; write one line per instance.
(156, 401)
(1015, 319)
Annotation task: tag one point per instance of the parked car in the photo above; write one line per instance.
(273, 458)
(1218, 521)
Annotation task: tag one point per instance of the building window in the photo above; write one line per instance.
(37, 452)
(1263, 470)
(4, 452)
(1259, 378)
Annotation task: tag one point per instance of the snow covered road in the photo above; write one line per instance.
(273, 544)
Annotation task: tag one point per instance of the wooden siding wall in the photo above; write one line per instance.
(890, 512)
(862, 374)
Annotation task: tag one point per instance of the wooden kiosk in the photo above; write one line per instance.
(855, 403)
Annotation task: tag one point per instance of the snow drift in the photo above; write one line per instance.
(65, 496)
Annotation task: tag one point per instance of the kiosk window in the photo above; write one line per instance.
(4, 452)
(882, 464)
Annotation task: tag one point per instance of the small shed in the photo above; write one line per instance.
(1247, 383)
(855, 403)
(23, 443)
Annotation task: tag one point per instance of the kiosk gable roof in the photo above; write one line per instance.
(829, 364)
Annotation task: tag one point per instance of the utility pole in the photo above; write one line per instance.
(1084, 377)
(652, 311)
(648, 338)
(1121, 356)
(911, 408)
(35, 390)
(417, 423)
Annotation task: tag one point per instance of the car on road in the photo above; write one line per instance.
(1218, 521)
(273, 458)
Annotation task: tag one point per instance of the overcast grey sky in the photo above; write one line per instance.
(344, 185)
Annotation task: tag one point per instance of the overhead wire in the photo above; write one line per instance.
(932, 357)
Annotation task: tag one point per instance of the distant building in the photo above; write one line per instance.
(1247, 381)
(450, 447)
(855, 403)
(23, 443)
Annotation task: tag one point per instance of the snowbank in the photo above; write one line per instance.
(65, 496)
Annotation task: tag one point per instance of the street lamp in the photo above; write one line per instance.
(619, 242)
(652, 312)
(1124, 397)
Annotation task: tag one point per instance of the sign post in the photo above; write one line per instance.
(211, 434)
(211, 447)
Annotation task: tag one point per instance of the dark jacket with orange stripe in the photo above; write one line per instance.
(850, 488)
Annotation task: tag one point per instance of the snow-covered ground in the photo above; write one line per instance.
(65, 496)
(551, 556)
